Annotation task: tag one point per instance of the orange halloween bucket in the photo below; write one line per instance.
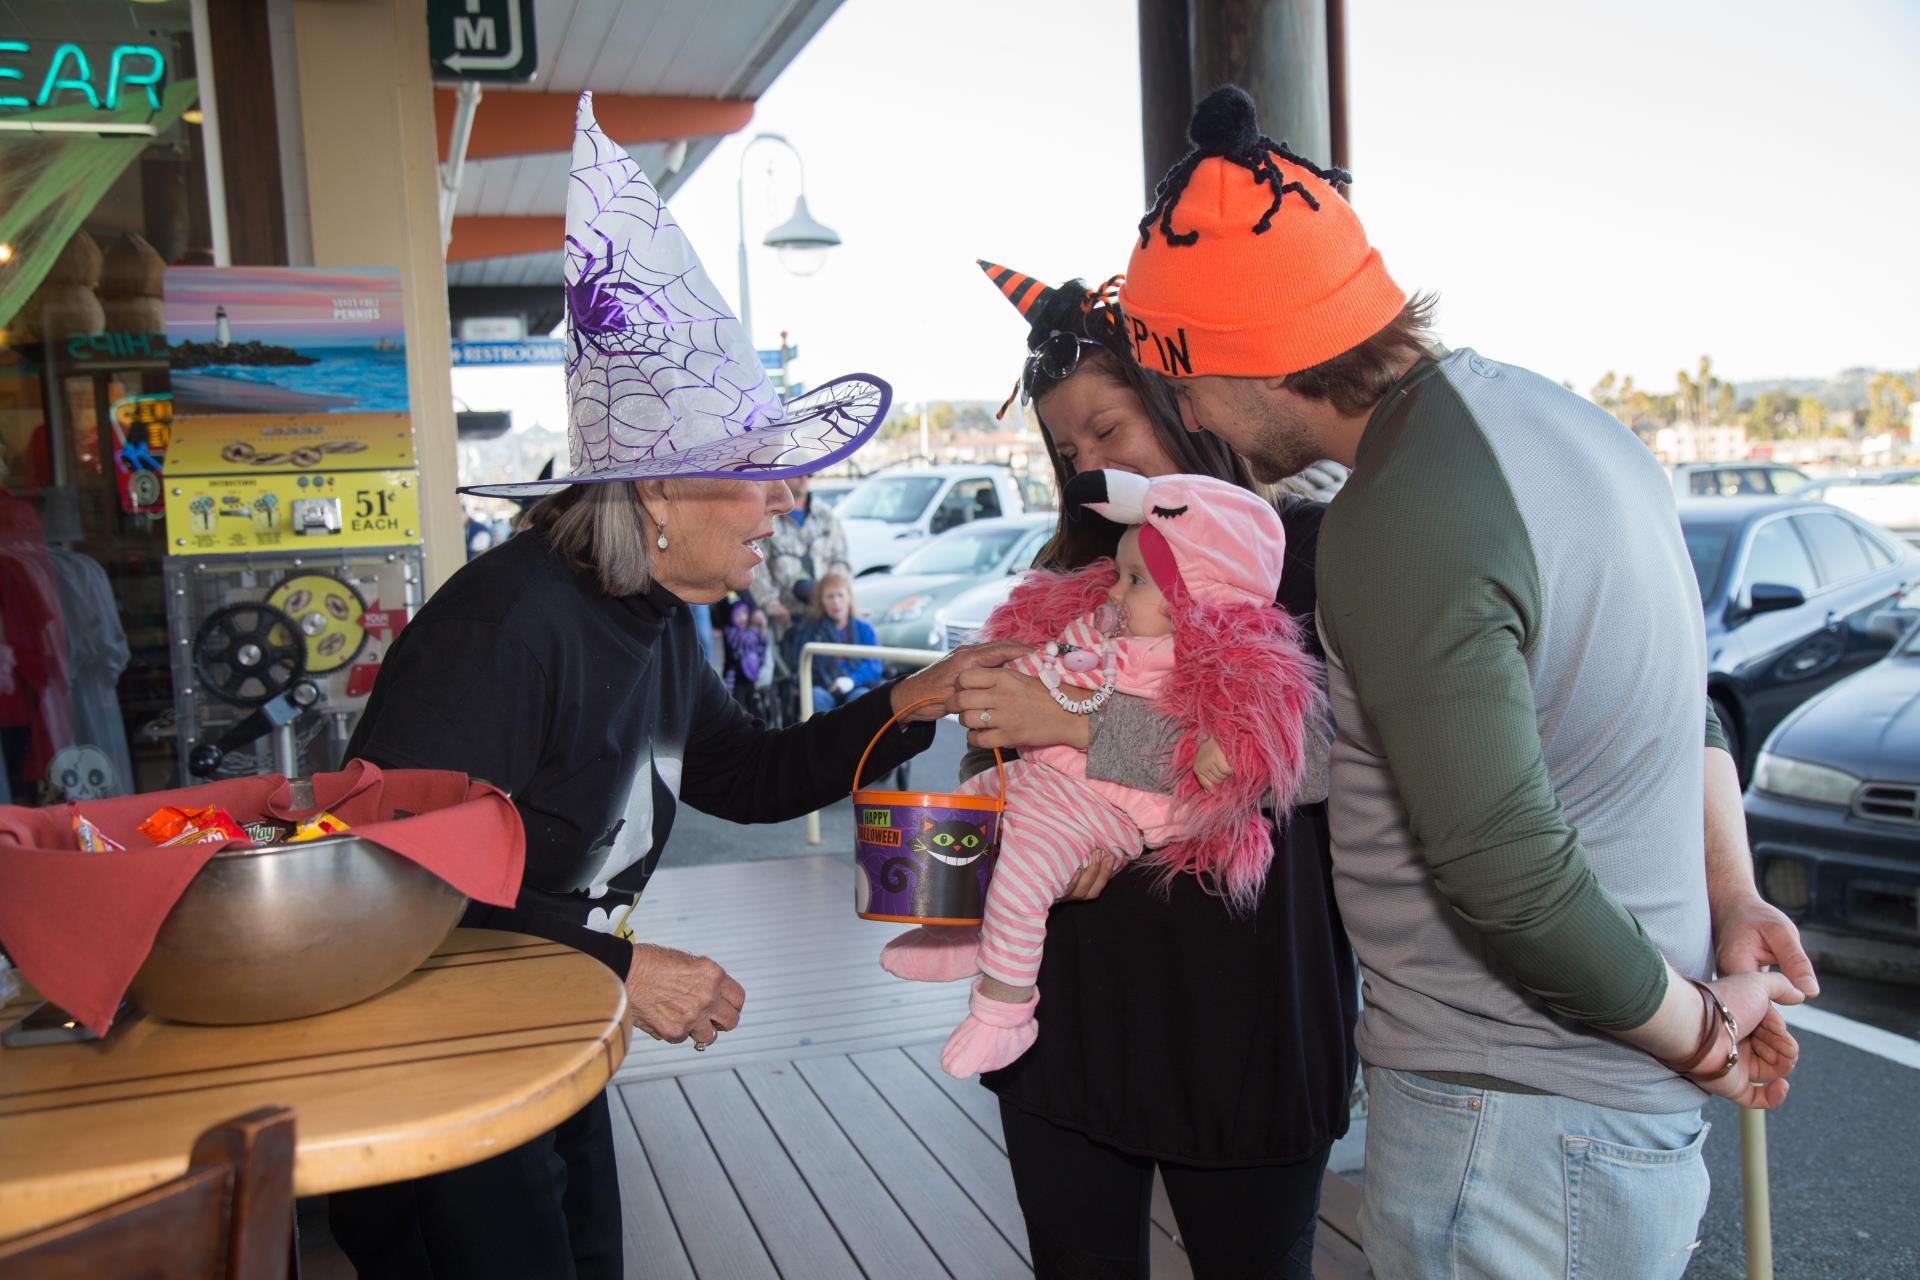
(923, 857)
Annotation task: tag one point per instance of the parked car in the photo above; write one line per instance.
(1735, 479)
(1834, 809)
(903, 605)
(967, 612)
(886, 515)
(1790, 591)
(1890, 499)
(830, 492)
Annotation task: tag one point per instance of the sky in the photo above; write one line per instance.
(1588, 186)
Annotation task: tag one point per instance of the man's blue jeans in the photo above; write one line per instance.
(1467, 1183)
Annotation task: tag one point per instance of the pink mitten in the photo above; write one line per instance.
(994, 1034)
(933, 953)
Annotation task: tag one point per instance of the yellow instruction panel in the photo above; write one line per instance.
(283, 482)
(209, 515)
(231, 444)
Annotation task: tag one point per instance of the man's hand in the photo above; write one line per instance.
(672, 995)
(1750, 933)
(1768, 1051)
(1210, 765)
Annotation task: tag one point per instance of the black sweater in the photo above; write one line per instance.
(598, 715)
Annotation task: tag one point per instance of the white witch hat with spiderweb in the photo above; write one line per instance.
(661, 378)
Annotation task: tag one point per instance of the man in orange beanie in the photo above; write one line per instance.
(1517, 666)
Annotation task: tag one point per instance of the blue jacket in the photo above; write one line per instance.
(865, 673)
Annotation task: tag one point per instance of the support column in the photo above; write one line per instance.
(366, 114)
(249, 136)
(1277, 50)
(1166, 87)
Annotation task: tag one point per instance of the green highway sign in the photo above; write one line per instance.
(481, 40)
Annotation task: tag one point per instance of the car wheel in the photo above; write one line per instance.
(1735, 748)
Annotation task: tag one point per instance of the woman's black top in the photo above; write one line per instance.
(1173, 1029)
(599, 715)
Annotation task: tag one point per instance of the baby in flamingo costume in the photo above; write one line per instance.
(1184, 615)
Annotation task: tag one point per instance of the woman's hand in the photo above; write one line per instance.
(1008, 710)
(672, 995)
(1089, 880)
(940, 680)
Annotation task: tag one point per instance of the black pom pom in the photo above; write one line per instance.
(1225, 123)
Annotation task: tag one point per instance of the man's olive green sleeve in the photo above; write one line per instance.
(1429, 598)
(1716, 732)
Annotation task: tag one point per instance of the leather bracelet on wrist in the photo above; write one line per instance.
(1708, 1031)
(1714, 1016)
(1733, 1037)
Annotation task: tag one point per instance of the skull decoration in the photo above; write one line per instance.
(81, 772)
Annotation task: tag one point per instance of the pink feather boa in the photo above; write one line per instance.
(1241, 677)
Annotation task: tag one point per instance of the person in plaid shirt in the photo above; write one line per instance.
(807, 543)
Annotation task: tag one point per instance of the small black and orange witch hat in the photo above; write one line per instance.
(1025, 293)
(1067, 312)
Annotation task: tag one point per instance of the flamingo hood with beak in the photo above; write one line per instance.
(1242, 675)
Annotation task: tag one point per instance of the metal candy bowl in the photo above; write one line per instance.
(272, 932)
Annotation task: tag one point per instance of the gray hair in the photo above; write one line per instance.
(599, 529)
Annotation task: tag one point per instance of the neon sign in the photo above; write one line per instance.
(132, 70)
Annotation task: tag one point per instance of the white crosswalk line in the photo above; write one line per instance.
(1884, 1044)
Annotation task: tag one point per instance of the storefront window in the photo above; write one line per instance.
(103, 185)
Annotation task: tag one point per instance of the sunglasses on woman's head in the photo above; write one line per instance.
(1057, 356)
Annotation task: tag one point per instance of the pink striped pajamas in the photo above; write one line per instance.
(1053, 825)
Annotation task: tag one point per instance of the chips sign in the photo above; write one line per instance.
(481, 40)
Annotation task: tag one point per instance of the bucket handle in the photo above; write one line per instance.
(999, 763)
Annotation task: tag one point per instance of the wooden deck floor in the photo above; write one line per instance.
(821, 1139)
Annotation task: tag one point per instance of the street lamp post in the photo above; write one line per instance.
(802, 242)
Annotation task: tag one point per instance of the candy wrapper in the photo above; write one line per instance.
(320, 824)
(170, 826)
(269, 831)
(89, 837)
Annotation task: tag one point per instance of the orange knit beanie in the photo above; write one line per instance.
(1250, 264)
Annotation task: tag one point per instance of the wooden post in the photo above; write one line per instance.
(1755, 1195)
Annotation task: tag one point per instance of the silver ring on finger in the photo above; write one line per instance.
(986, 718)
(699, 1047)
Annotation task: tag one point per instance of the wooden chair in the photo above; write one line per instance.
(228, 1217)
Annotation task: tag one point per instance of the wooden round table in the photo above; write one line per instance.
(496, 1038)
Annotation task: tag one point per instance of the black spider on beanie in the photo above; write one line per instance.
(1226, 125)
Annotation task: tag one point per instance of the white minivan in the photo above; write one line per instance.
(889, 514)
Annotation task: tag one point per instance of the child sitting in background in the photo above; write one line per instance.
(745, 641)
(837, 680)
(1184, 616)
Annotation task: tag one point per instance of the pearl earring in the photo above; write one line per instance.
(661, 541)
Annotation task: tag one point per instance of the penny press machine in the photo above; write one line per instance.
(293, 560)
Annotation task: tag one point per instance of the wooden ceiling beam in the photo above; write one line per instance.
(523, 124)
(500, 237)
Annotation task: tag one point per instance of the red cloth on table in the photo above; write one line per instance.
(80, 925)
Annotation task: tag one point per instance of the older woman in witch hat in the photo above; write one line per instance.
(562, 666)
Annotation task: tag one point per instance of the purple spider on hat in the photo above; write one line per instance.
(662, 380)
